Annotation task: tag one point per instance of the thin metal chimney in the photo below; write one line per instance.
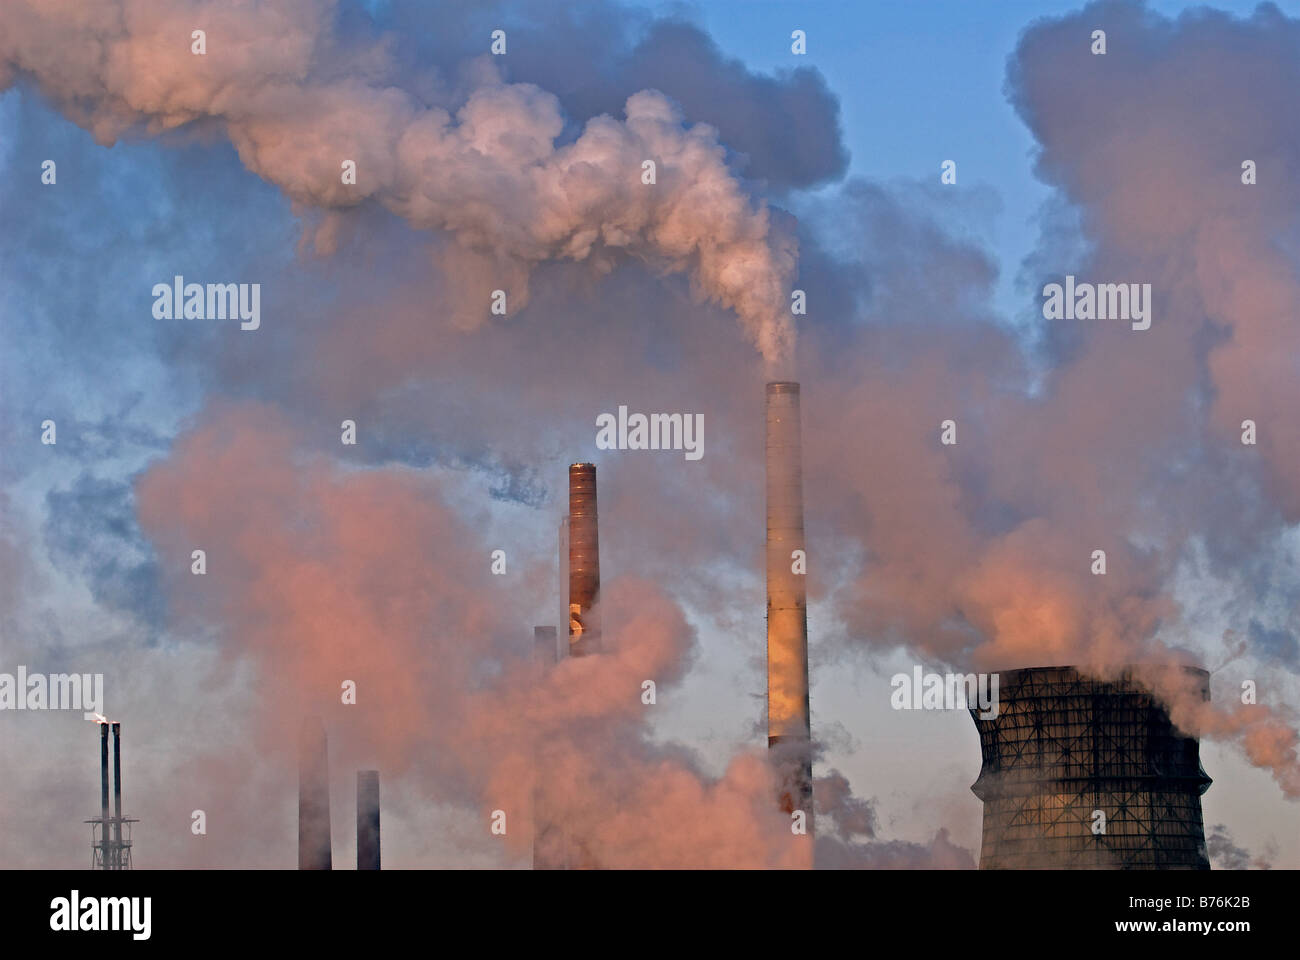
(105, 856)
(584, 561)
(367, 819)
(110, 835)
(788, 726)
(117, 796)
(313, 797)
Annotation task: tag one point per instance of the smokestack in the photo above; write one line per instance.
(117, 796)
(105, 857)
(313, 797)
(544, 649)
(545, 834)
(367, 819)
(584, 561)
(564, 587)
(789, 732)
(1081, 773)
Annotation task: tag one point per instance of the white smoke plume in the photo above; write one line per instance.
(296, 102)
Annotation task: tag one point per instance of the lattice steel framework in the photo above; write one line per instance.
(1063, 746)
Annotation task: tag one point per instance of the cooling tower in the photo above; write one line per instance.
(1082, 773)
(313, 798)
(584, 561)
(367, 819)
(788, 728)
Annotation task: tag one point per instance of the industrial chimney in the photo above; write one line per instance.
(367, 819)
(313, 797)
(548, 838)
(110, 835)
(564, 587)
(117, 796)
(788, 728)
(1083, 773)
(545, 653)
(105, 847)
(584, 561)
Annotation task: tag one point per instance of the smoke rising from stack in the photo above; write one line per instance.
(396, 571)
(314, 848)
(488, 170)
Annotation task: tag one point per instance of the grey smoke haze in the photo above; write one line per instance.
(1225, 854)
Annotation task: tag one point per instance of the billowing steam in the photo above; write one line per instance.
(296, 103)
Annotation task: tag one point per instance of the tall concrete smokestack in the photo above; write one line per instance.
(367, 819)
(1081, 773)
(584, 561)
(789, 732)
(313, 797)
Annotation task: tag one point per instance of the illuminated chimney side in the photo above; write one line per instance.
(313, 797)
(1081, 773)
(788, 727)
(584, 561)
(367, 819)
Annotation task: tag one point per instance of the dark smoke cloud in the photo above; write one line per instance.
(783, 129)
(91, 531)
